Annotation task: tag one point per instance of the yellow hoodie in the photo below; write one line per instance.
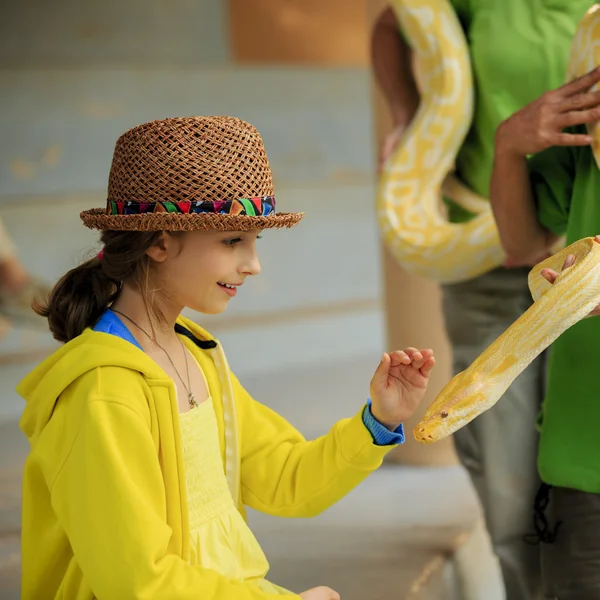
(104, 503)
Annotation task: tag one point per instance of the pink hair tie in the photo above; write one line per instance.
(101, 254)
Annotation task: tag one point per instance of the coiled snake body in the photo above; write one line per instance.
(412, 225)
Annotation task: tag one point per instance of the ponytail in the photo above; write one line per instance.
(82, 295)
(78, 300)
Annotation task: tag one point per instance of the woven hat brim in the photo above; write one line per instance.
(97, 218)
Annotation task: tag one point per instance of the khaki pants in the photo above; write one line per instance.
(499, 448)
(571, 564)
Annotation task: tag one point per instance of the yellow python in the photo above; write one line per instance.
(556, 307)
(409, 213)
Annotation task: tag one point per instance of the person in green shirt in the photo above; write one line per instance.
(535, 202)
(518, 49)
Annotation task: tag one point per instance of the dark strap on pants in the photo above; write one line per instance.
(544, 534)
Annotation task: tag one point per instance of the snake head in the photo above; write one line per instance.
(434, 426)
(459, 403)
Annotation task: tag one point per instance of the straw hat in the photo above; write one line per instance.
(190, 174)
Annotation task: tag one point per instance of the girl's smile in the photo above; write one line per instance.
(229, 288)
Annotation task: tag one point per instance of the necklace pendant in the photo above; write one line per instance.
(192, 400)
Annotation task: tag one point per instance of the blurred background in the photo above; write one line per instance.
(306, 336)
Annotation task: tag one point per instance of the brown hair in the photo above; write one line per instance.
(85, 292)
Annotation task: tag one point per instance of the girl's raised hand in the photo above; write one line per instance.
(399, 384)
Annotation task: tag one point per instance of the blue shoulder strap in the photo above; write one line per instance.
(110, 323)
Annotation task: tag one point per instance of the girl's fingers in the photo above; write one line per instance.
(413, 356)
(420, 357)
(428, 366)
(426, 355)
(400, 357)
(418, 363)
(412, 353)
(416, 358)
(381, 373)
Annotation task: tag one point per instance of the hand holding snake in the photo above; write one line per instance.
(551, 276)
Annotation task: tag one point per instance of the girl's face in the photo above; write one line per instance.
(203, 270)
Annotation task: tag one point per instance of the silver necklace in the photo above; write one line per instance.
(188, 387)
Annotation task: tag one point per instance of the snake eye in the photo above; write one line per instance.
(444, 415)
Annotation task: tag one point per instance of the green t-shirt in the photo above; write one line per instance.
(519, 49)
(566, 185)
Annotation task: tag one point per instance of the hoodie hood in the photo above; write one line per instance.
(90, 350)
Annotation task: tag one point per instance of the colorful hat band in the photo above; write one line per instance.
(253, 207)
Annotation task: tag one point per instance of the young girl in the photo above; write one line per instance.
(144, 446)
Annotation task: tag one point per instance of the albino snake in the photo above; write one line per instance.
(413, 227)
